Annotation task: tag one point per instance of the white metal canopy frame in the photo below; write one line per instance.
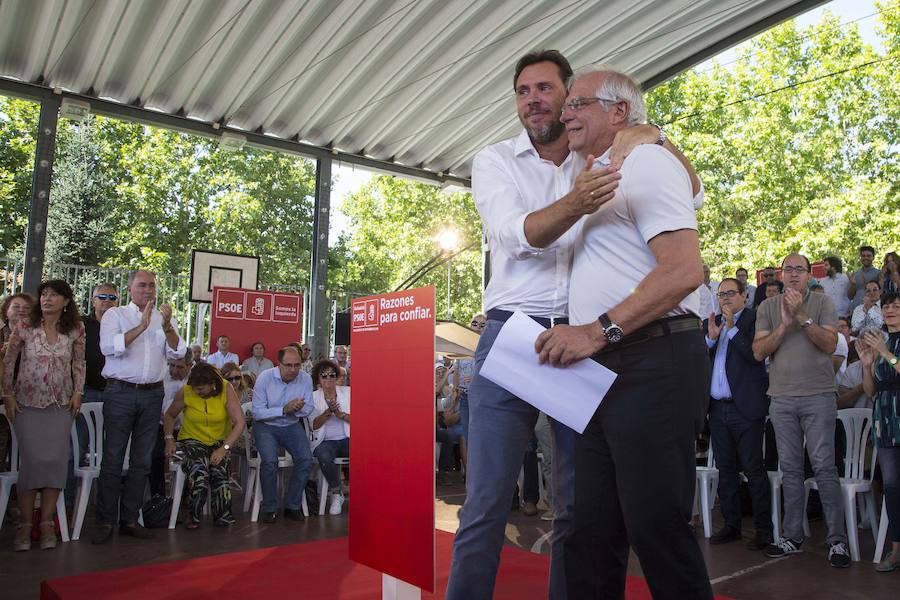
(412, 87)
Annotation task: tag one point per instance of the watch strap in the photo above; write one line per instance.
(605, 321)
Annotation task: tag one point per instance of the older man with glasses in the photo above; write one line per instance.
(281, 397)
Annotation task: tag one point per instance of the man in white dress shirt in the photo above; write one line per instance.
(136, 340)
(222, 354)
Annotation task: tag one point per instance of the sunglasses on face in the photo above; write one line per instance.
(234, 378)
(480, 324)
(111, 297)
(328, 375)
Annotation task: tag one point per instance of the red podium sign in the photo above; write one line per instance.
(392, 446)
(250, 316)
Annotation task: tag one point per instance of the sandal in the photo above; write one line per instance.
(22, 540)
(48, 535)
(192, 524)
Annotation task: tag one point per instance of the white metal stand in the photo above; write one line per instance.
(395, 589)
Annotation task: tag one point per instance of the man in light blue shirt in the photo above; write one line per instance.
(281, 397)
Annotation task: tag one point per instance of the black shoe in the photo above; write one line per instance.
(725, 535)
(294, 514)
(269, 517)
(136, 531)
(838, 555)
(760, 540)
(102, 534)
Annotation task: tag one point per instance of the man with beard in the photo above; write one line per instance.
(520, 184)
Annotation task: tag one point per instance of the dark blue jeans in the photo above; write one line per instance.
(128, 413)
(326, 452)
(293, 439)
(738, 446)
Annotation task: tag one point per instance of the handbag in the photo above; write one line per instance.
(156, 511)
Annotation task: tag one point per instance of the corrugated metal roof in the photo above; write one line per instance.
(418, 82)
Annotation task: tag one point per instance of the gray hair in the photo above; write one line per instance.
(100, 286)
(134, 273)
(619, 86)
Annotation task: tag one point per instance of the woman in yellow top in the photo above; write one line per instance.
(212, 424)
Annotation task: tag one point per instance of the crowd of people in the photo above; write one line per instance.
(162, 404)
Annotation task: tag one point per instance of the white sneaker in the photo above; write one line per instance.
(337, 503)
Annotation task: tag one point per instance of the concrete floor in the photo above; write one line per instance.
(735, 571)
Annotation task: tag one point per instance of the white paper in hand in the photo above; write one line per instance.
(570, 394)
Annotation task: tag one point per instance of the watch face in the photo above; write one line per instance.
(613, 334)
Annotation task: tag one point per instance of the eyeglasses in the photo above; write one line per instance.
(328, 375)
(112, 297)
(798, 270)
(728, 294)
(481, 324)
(576, 104)
(235, 378)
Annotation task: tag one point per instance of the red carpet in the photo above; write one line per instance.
(311, 571)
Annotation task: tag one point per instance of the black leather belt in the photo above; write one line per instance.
(496, 314)
(659, 328)
(137, 386)
(724, 400)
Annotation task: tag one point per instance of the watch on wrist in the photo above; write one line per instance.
(893, 361)
(227, 447)
(611, 331)
(806, 323)
(661, 140)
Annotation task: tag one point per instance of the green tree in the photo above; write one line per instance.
(18, 127)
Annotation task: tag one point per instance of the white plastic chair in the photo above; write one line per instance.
(9, 478)
(178, 493)
(323, 484)
(882, 532)
(283, 463)
(857, 424)
(707, 484)
(251, 461)
(93, 414)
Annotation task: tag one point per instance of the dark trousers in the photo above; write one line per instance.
(890, 473)
(737, 444)
(158, 465)
(634, 473)
(531, 491)
(128, 413)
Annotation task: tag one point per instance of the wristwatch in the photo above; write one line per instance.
(806, 323)
(612, 331)
(661, 140)
(227, 447)
(893, 361)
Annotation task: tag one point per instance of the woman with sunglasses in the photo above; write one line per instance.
(213, 423)
(233, 375)
(330, 427)
(881, 381)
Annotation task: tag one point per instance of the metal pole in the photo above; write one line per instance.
(317, 330)
(448, 288)
(36, 236)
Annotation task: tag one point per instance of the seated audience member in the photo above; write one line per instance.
(881, 380)
(281, 397)
(305, 352)
(737, 414)
(174, 380)
(867, 315)
(342, 359)
(257, 363)
(14, 309)
(764, 291)
(330, 427)
(851, 393)
(836, 283)
(212, 424)
(233, 375)
(196, 354)
(839, 357)
(741, 275)
(343, 377)
(222, 355)
(42, 397)
(891, 274)
(817, 288)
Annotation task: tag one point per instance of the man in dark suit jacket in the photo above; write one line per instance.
(769, 274)
(737, 414)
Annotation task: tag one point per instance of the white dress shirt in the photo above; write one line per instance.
(871, 318)
(142, 361)
(218, 360)
(836, 289)
(510, 181)
(170, 388)
(612, 255)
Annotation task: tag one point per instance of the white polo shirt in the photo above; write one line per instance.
(510, 181)
(611, 254)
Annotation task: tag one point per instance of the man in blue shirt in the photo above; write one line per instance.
(281, 397)
(737, 414)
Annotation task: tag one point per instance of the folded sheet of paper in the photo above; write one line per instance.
(570, 395)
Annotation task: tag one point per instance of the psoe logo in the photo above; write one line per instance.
(365, 315)
(230, 304)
